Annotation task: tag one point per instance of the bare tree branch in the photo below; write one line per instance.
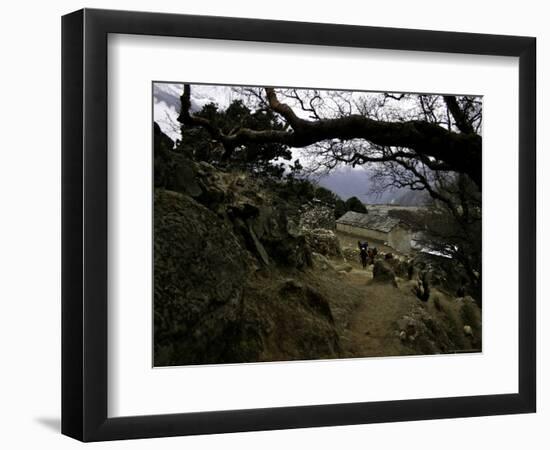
(460, 152)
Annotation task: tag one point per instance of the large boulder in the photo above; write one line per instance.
(175, 172)
(309, 296)
(275, 232)
(401, 267)
(305, 326)
(199, 273)
(383, 273)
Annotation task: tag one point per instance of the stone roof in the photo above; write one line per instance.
(370, 221)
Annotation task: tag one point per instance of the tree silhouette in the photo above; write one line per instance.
(443, 135)
(255, 157)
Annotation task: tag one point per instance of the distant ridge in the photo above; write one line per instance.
(348, 182)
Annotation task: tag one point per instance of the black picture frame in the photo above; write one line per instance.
(84, 224)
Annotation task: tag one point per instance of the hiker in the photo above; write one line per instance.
(371, 252)
(363, 252)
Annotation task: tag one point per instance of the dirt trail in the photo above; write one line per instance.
(379, 319)
(370, 330)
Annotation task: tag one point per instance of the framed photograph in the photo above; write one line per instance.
(273, 225)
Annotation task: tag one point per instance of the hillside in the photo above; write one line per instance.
(237, 279)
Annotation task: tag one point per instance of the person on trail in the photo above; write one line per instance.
(363, 252)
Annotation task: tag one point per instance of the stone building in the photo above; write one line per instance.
(392, 231)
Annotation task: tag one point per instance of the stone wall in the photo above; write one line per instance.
(317, 215)
(363, 232)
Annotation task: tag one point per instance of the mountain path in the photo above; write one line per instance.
(370, 330)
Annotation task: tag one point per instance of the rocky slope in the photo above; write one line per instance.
(237, 279)
(226, 253)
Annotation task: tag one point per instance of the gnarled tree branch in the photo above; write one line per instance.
(460, 152)
(461, 120)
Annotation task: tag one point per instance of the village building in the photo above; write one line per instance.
(391, 231)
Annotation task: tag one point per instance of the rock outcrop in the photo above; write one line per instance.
(259, 220)
(221, 243)
(199, 272)
(448, 327)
